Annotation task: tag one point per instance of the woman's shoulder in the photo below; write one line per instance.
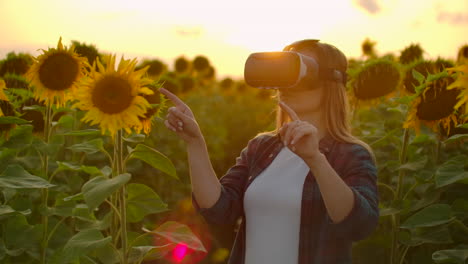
(356, 149)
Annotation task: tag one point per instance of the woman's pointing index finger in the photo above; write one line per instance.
(172, 97)
(288, 110)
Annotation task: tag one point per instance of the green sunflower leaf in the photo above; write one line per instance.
(433, 215)
(457, 255)
(414, 166)
(417, 76)
(135, 138)
(13, 120)
(179, 234)
(84, 132)
(142, 201)
(89, 147)
(16, 177)
(453, 170)
(154, 158)
(455, 138)
(97, 189)
(82, 243)
(428, 235)
(463, 125)
(149, 252)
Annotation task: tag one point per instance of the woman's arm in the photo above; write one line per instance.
(205, 184)
(337, 195)
(354, 215)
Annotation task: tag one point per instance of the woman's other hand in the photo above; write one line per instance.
(181, 120)
(299, 136)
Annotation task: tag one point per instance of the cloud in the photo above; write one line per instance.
(371, 6)
(454, 18)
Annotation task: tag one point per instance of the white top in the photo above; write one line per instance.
(272, 205)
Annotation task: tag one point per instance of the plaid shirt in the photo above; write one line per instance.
(320, 240)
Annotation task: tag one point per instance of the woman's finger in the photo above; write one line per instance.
(168, 125)
(285, 133)
(176, 100)
(174, 120)
(180, 115)
(300, 125)
(289, 110)
(290, 131)
(299, 133)
(174, 123)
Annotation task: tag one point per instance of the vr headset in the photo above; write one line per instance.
(286, 69)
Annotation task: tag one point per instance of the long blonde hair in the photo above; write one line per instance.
(335, 106)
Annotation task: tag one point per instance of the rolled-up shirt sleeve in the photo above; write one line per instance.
(360, 174)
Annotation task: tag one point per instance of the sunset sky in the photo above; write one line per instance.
(228, 31)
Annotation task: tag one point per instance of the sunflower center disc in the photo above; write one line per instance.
(58, 71)
(438, 102)
(112, 95)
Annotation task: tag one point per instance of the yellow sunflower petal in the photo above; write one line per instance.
(147, 91)
(2, 94)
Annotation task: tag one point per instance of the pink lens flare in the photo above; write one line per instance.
(180, 252)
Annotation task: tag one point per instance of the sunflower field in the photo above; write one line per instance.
(90, 174)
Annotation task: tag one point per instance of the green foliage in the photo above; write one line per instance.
(142, 201)
(15, 64)
(63, 197)
(154, 158)
(98, 189)
(16, 177)
(86, 50)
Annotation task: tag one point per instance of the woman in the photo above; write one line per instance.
(305, 191)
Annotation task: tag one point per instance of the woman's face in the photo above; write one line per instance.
(303, 99)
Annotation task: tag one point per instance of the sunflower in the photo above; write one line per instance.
(411, 53)
(454, 127)
(423, 67)
(55, 74)
(462, 56)
(461, 82)
(113, 98)
(158, 102)
(434, 104)
(6, 108)
(377, 78)
(2, 94)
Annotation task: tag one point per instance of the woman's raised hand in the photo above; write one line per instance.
(299, 136)
(181, 120)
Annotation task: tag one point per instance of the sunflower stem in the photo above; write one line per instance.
(114, 196)
(403, 254)
(396, 220)
(122, 202)
(45, 191)
(437, 150)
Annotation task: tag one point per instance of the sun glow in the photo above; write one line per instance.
(228, 32)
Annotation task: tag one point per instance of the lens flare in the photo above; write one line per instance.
(180, 252)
